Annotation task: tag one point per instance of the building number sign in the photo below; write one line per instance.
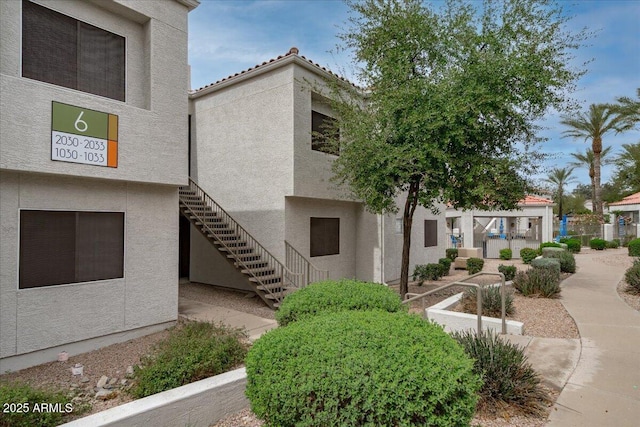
(80, 135)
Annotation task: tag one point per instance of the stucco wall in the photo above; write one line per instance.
(152, 144)
(299, 210)
(242, 150)
(37, 318)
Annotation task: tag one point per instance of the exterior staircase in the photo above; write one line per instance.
(268, 277)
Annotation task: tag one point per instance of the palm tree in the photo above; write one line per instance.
(587, 159)
(600, 119)
(628, 111)
(560, 178)
(628, 164)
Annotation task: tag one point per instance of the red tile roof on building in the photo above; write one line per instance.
(293, 52)
(535, 200)
(633, 199)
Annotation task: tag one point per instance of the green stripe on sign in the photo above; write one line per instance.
(79, 121)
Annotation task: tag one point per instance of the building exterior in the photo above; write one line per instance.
(253, 151)
(626, 224)
(529, 226)
(93, 148)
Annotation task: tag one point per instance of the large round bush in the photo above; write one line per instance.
(634, 247)
(357, 368)
(334, 296)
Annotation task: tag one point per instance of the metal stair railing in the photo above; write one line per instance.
(297, 263)
(416, 297)
(289, 278)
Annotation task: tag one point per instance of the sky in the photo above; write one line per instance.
(228, 36)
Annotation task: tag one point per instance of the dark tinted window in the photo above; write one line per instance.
(325, 236)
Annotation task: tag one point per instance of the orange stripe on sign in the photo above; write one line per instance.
(112, 154)
(113, 128)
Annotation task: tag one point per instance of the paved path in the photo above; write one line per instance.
(604, 389)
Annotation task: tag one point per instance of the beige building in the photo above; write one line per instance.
(253, 152)
(93, 148)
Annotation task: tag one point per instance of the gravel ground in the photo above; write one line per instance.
(542, 317)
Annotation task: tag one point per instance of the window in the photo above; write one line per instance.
(66, 52)
(58, 247)
(430, 233)
(325, 236)
(323, 133)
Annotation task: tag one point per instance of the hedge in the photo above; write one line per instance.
(357, 368)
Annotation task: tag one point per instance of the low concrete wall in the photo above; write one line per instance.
(198, 404)
(454, 321)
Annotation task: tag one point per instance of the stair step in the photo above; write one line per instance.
(262, 271)
(266, 279)
(228, 243)
(248, 256)
(273, 287)
(258, 263)
(278, 295)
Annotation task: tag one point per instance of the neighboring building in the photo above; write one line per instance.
(627, 209)
(529, 226)
(253, 152)
(93, 149)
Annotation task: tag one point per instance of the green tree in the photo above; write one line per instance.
(628, 111)
(627, 175)
(453, 97)
(560, 178)
(592, 125)
(588, 159)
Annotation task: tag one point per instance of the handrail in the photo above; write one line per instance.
(288, 276)
(479, 287)
(297, 263)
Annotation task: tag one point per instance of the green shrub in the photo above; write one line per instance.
(528, 254)
(334, 296)
(357, 368)
(634, 247)
(546, 252)
(193, 351)
(632, 277)
(446, 265)
(26, 397)
(573, 245)
(552, 264)
(475, 265)
(567, 261)
(451, 253)
(598, 244)
(508, 378)
(537, 282)
(428, 272)
(509, 271)
(491, 301)
(506, 254)
(548, 245)
(613, 244)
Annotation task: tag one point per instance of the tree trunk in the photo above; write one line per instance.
(597, 152)
(407, 222)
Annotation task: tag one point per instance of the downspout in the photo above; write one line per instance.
(381, 248)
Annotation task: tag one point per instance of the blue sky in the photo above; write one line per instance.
(228, 36)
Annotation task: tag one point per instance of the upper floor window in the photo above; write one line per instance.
(66, 52)
(324, 133)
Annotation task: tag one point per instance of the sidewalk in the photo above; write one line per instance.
(604, 389)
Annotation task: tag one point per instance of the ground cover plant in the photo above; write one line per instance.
(446, 265)
(335, 296)
(491, 301)
(428, 272)
(538, 282)
(566, 259)
(475, 265)
(508, 378)
(632, 277)
(357, 368)
(25, 406)
(552, 264)
(573, 245)
(634, 247)
(451, 253)
(193, 351)
(548, 245)
(528, 254)
(509, 271)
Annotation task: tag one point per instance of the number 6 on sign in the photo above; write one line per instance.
(81, 125)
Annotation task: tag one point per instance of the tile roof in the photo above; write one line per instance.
(535, 200)
(293, 52)
(633, 199)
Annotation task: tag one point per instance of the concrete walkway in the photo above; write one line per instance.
(254, 325)
(604, 389)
